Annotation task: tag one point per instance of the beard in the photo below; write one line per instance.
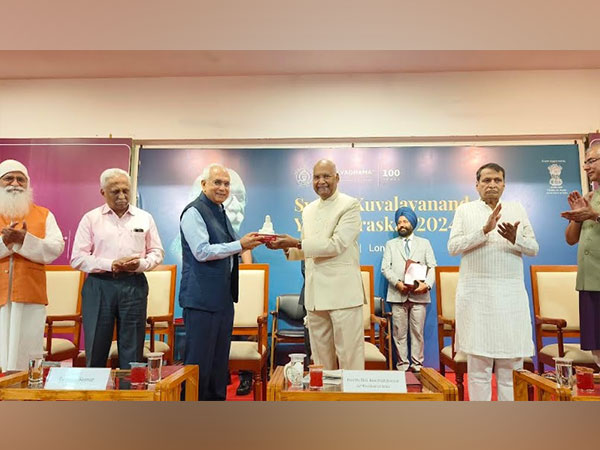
(15, 202)
(405, 232)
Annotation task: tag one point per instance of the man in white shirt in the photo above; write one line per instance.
(493, 322)
(409, 303)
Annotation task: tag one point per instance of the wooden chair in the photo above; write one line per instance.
(446, 280)
(250, 320)
(63, 285)
(288, 323)
(378, 348)
(556, 309)
(159, 314)
(161, 307)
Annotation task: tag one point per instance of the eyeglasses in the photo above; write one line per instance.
(589, 162)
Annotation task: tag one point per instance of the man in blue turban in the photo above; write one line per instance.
(409, 301)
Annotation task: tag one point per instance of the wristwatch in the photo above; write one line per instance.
(299, 245)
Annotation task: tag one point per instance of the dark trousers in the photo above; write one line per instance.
(207, 344)
(104, 300)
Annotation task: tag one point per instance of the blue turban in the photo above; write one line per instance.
(408, 213)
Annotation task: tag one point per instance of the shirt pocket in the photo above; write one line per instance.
(138, 242)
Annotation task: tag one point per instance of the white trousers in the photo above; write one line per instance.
(337, 335)
(409, 316)
(479, 370)
(21, 334)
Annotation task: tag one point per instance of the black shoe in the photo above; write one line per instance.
(245, 386)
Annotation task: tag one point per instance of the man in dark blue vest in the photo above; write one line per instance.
(209, 281)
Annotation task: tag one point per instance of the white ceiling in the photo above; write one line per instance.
(126, 64)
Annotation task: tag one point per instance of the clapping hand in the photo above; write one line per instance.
(581, 209)
(508, 231)
(10, 234)
(492, 219)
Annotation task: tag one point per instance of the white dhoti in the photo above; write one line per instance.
(21, 334)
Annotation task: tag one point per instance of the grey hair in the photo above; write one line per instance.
(207, 169)
(112, 173)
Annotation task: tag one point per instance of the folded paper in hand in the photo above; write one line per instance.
(414, 272)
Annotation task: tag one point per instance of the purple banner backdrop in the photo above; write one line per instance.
(65, 175)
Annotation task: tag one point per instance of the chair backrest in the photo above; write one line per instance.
(63, 285)
(253, 297)
(161, 290)
(366, 273)
(378, 309)
(289, 308)
(446, 280)
(554, 294)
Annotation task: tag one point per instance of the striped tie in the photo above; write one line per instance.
(407, 247)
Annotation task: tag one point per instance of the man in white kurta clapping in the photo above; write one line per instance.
(493, 322)
(30, 238)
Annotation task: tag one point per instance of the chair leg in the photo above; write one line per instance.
(257, 386)
(460, 385)
(264, 383)
(442, 368)
(272, 359)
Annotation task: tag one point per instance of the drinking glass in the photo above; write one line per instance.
(35, 374)
(155, 367)
(316, 377)
(564, 371)
(138, 373)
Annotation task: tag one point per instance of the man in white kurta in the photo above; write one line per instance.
(493, 322)
(333, 294)
(30, 239)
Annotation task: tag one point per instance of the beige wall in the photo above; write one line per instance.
(386, 105)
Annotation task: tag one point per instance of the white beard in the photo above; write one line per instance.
(15, 203)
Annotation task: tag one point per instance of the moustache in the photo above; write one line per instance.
(12, 189)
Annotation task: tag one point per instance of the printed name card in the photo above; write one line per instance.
(78, 378)
(383, 381)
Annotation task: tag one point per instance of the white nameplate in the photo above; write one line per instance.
(386, 381)
(78, 378)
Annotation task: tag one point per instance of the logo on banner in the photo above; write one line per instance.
(303, 177)
(555, 182)
(555, 171)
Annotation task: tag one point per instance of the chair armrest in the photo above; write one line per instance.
(152, 320)
(166, 318)
(262, 331)
(558, 323)
(262, 319)
(443, 321)
(60, 318)
(57, 318)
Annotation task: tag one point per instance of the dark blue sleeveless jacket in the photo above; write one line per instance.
(209, 285)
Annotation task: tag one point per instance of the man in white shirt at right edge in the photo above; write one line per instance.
(493, 322)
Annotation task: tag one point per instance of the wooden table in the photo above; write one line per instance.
(14, 387)
(428, 385)
(548, 390)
